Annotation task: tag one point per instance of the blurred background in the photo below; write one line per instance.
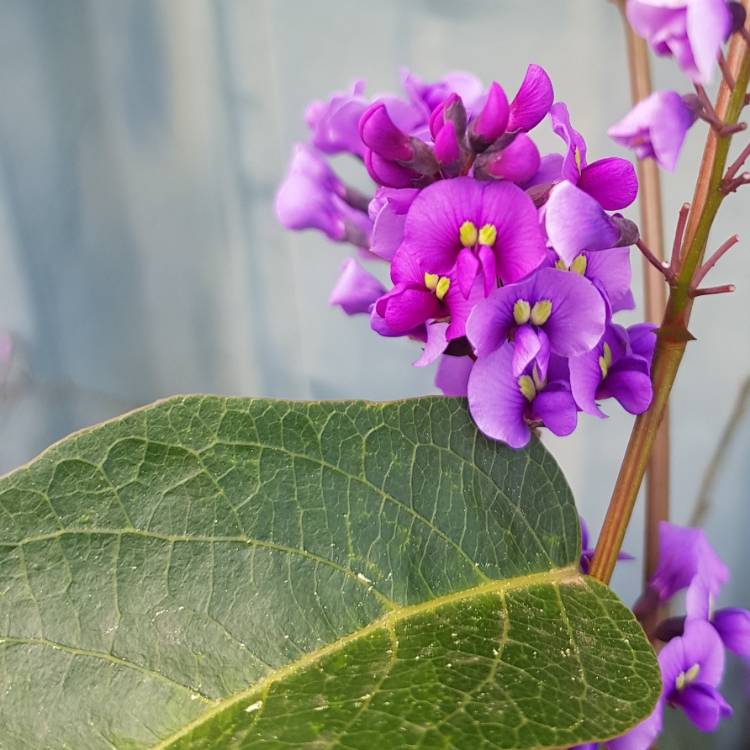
(141, 143)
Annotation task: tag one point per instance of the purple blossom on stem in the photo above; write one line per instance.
(551, 311)
(312, 197)
(692, 31)
(612, 369)
(506, 407)
(656, 127)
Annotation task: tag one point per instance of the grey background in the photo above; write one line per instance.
(140, 146)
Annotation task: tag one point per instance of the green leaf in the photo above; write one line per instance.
(231, 573)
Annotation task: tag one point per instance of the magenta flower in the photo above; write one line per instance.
(656, 127)
(692, 31)
(576, 222)
(312, 197)
(420, 296)
(505, 406)
(356, 289)
(552, 311)
(614, 369)
(612, 181)
(486, 230)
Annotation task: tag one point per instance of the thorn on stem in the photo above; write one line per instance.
(659, 265)
(730, 186)
(723, 289)
(679, 234)
(723, 249)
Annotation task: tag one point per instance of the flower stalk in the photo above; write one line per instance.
(658, 474)
(673, 333)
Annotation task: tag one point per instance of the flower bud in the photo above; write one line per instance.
(389, 173)
(447, 147)
(451, 109)
(378, 131)
(491, 122)
(518, 162)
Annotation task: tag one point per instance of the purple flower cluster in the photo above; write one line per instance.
(692, 658)
(692, 32)
(507, 264)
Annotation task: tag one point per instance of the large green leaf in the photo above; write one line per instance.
(232, 573)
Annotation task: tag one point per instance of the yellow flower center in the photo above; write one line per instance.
(527, 387)
(438, 284)
(605, 360)
(541, 311)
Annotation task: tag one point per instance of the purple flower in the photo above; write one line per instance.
(686, 558)
(692, 667)
(576, 222)
(420, 296)
(692, 31)
(656, 127)
(612, 181)
(486, 230)
(312, 197)
(505, 406)
(612, 369)
(532, 101)
(335, 123)
(356, 289)
(388, 211)
(550, 312)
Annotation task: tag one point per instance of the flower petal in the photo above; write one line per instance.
(557, 410)
(495, 400)
(532, 101)
(704, 705)
(435, 344)
(585, 377)
(708, 25)
(611, 181)
(576, 222)
(733, 626)
(356, 289)
(452, 376)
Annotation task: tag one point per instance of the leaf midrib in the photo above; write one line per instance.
(555, 577)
